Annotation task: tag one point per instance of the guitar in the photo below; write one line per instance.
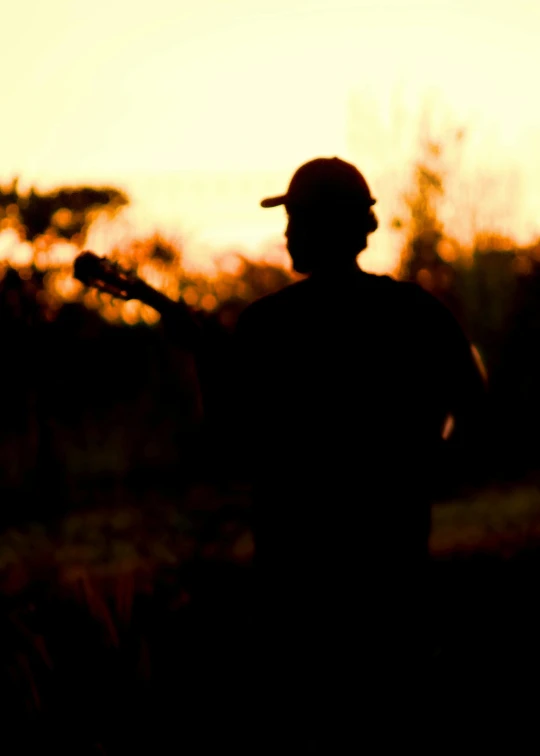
(109, 277)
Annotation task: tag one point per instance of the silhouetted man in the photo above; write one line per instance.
(345, 382)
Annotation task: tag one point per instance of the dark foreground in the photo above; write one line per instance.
(129, 632)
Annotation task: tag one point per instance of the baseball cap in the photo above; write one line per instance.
(324, 181)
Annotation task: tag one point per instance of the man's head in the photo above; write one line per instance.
(328, 204)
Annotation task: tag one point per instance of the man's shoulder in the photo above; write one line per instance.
(416, 297)
(397, 286)
(401, 293)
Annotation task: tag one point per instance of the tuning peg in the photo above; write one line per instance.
(85, 265)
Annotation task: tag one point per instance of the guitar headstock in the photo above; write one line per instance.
(105, 275)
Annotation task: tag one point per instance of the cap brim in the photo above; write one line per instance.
(274, 201)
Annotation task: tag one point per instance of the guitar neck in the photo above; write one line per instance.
(107, 276)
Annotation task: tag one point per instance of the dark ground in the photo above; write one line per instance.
(127, 629)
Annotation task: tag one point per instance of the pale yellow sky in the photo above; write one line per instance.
(156, 96)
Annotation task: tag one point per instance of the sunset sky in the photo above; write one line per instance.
(199, 109)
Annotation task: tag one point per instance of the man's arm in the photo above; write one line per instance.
(466, 388)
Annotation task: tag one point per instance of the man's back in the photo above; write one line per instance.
(348, 382)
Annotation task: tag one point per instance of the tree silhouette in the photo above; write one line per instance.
(423, 257)
(67, 212)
